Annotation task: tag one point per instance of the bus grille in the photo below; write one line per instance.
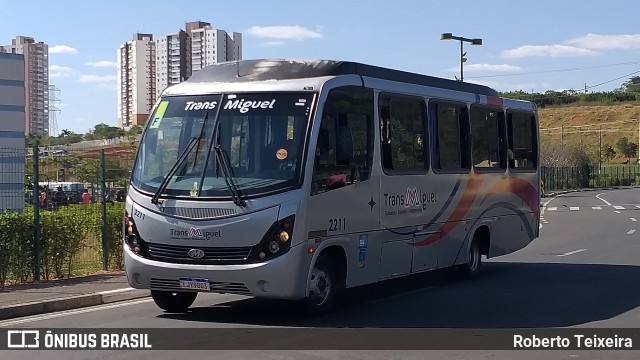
(216, 286)
(199, 213)
(212, 255)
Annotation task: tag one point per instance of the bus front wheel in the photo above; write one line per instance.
(176, 302)
(323, 287)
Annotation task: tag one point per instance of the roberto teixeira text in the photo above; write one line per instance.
(578, 341)
(40, 339)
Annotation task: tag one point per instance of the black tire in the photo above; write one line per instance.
(175, 302)
(323, 288)
(474, 262)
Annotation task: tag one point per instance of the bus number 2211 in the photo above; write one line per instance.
(337, 224)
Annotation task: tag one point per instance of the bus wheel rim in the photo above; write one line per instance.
(320, 286)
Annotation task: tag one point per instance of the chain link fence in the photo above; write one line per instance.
(62, 211)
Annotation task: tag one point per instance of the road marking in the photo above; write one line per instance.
(617, 212)
(572, 252)
(633, 219)
(403, 294)
(574, 208)
(596, 207)
(618, 207)
(638, 206)
(630, 232)
(601, 199)
(554, 208)
(71, 312)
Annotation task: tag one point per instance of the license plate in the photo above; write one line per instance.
(195, 284)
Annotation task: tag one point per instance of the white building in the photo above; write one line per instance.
(147, 67)
(12, 130)
(211, 46)
(136, 80)
(36, 75)
(172, 60)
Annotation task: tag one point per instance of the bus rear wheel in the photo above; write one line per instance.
(323, 287)
(176, 302)
(474, 262)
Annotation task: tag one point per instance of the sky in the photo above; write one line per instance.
(532, 46)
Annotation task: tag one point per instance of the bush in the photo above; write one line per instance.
(115, 215)
(16, 246)
(63, 234)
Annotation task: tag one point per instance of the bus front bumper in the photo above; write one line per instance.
(283, 277)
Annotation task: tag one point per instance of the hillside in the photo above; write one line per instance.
(571, 120)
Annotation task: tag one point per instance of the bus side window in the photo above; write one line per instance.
(403, 133)
(450, 136)
(344, 148)
(522, 140)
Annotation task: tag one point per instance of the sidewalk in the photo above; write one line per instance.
(59, 295)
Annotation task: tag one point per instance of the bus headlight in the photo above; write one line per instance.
(131, 237)
(283, 236)
(276, 241)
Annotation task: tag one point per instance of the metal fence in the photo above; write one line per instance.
(579, 177)
(62, 211)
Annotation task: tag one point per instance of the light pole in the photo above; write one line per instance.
(449, 36)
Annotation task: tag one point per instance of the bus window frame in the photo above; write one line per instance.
(426, 151)
(534, 142)
(502, 140)
(466, 132)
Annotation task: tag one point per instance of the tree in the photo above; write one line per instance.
(627, 149)
(104, 131)
(608, 152)
(632, 85)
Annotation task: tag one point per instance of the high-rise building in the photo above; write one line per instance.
(210, 46)
(172, 60)
(36, 82)
(136, 80)
(147, 67)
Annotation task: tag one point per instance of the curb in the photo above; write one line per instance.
(70, 303)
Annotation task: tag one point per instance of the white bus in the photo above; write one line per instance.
(297, 179)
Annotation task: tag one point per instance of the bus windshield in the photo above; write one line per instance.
(260, 137)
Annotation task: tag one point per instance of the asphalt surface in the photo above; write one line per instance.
(583, 271)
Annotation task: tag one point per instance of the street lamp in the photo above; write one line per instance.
(449, 36)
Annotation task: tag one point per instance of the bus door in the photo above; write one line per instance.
(343, 204)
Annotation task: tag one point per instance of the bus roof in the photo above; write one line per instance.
(287, 69)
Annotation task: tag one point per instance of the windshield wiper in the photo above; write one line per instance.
(223, 160)
(183, 156)
(225, 164)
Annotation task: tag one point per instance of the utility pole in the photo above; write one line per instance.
(580, 136)
(562, 137)
(600, 152)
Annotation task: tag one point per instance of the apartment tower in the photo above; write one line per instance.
(36, 82)
(136, 80)
(146, 66)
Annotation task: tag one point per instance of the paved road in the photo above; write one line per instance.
(582, 272)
